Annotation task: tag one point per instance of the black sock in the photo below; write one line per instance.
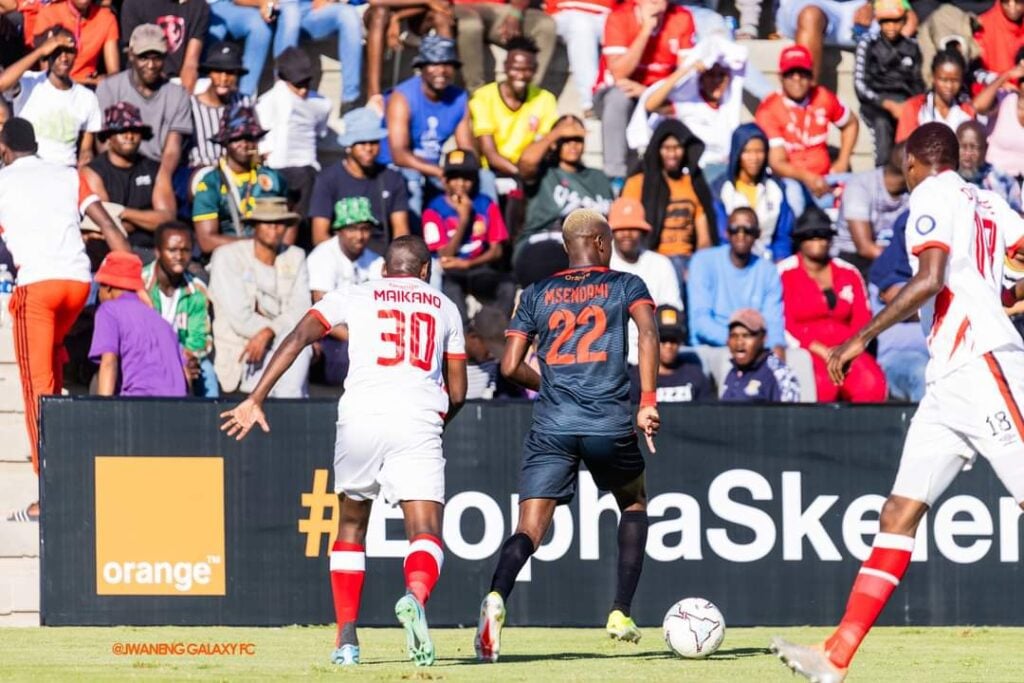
(514, 554)
(632, 545)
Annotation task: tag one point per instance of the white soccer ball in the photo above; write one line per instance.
(694, 628)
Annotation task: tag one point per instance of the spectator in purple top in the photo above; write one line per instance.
(137, 350)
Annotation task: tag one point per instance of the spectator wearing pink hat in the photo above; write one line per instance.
(757, 375)
(137, 350)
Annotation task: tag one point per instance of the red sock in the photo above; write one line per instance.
(423, 561)
(877, 579)
(348, 568)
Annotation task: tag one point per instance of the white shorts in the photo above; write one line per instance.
(970, 411)
(399, 458)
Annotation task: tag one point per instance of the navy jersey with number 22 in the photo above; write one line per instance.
(580, 318)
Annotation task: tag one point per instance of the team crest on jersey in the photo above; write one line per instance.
(846, 294)
(924, 224)
(265, 182)
(753, 387)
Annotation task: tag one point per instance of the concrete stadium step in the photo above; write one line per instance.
(7, 344)
(19, 486)
(19, 591)
(10, 389)
(14, 447)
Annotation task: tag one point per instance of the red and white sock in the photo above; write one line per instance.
(423, 562)
(348, 569)
(877, 579)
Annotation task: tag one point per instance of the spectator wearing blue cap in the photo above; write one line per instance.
(360, 174)
(423, 112)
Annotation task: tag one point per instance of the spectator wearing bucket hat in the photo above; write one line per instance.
(423, 112)
(164, 106)
(64, 114)
(184, 23)
(226, 195)
(341, 262)
(465, 230)
(359, 174)
(629, 232)
(483, 23)
(222, 67)
(123, 176)
(260, 289)
(681, 377)
(757, 375)
(136, 349)
(296, 116)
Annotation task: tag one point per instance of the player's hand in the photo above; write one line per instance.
(648, 421)
(840, 358)
(240, 419)
(56, 42)
(511, 27)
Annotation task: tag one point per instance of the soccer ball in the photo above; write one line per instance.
(694, 628)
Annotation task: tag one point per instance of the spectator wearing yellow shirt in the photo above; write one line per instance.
(510, 115)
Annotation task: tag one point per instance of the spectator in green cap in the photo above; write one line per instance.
(340, 262)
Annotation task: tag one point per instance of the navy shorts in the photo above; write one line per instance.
(551, 462)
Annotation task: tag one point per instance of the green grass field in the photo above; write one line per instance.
(528, 654)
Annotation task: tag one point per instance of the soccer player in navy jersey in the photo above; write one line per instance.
(579, 319)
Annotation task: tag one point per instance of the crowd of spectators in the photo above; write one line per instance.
(753, 237)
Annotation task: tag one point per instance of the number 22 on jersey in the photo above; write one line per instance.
(565, 322)
(410, 337)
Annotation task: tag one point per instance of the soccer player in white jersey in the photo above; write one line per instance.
(406, 381)
(959, 238)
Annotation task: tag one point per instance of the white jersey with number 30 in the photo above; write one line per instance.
(977, 229)
(400, 330)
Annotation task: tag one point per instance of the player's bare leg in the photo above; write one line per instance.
(878, 578)
(535, 515)
(423, 561)
(632, 542)
(348, 569)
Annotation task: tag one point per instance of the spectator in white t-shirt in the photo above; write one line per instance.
(339, 263)
(296, 117)
(629, 231)
(59, 109)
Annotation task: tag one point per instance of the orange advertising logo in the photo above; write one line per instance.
(159, 526)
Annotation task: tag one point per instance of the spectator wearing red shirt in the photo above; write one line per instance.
(96, 34)
(796, 122)
(483, 22)
(825, 303)
(465, 231)
(946, 102)
(642, 41)
(1000, 37)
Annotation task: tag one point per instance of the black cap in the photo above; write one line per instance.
(19, 135)
(460, 161)
(670, 324)
(294, 65)
(224, 56)
(813, 222)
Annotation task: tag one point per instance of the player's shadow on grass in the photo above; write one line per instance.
(572, 656)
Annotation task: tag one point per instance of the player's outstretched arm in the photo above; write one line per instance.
(928, 281)
(455, 380)
(513, 365)
(240, 419)
(647, 418)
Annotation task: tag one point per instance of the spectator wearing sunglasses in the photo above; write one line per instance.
(826, 303)
(729, 277)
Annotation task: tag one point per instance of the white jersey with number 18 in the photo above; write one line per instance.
(400, 330)
(977, 229)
